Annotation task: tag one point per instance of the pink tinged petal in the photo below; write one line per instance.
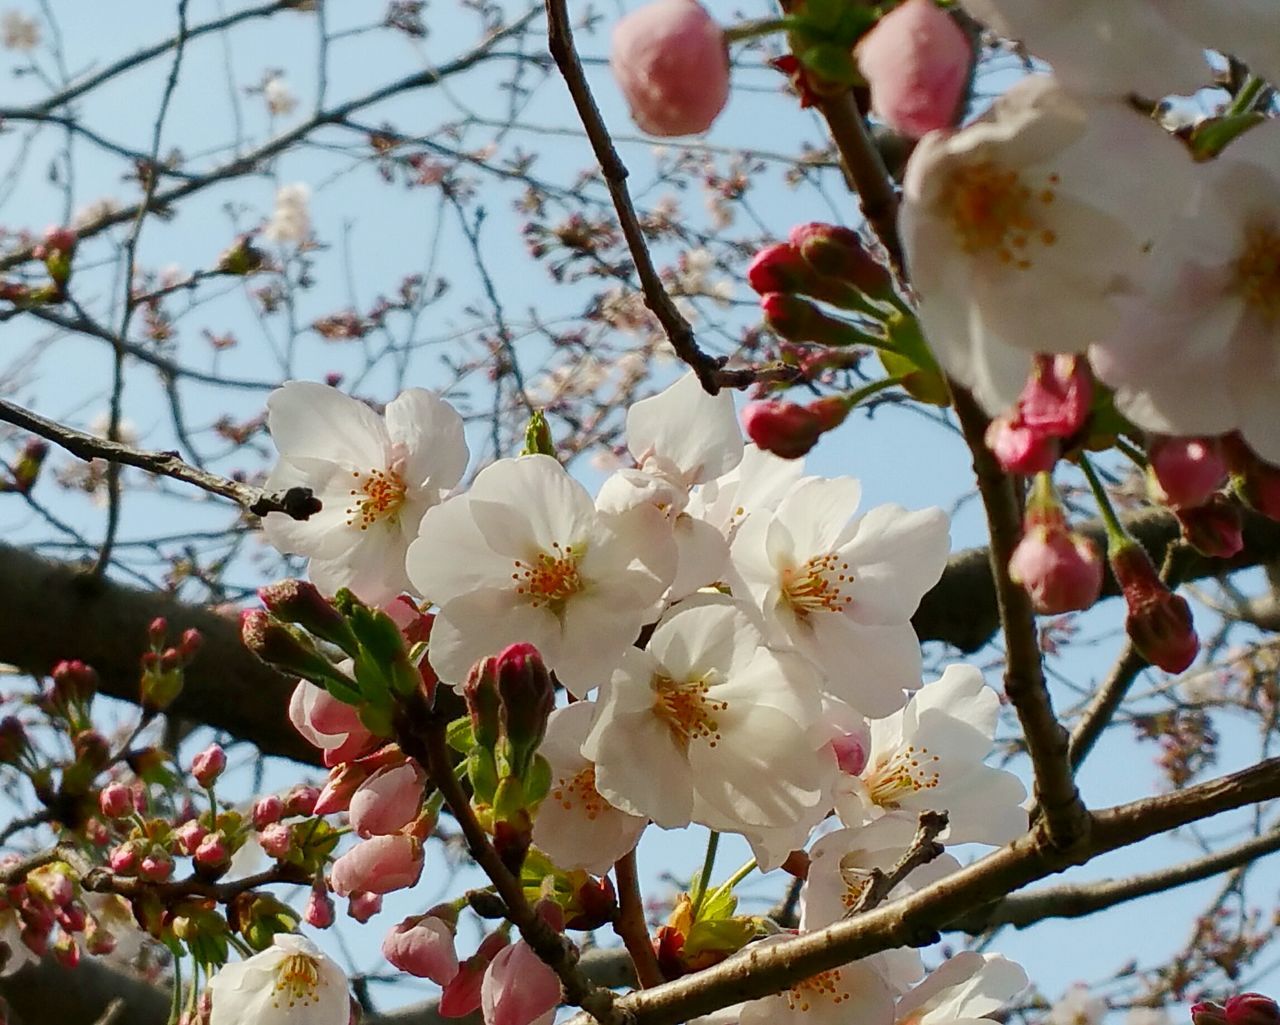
(430, 430)
(423, 947)
(314, 420)
(387, 801)
(683, 424)
(379, 865)
(519, 988)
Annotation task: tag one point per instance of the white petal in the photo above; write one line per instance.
(431, 431)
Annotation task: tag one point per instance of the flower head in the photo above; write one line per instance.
(289, 983)
(375, 477)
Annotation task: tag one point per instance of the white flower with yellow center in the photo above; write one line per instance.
(966, 988)
(374, 476)
(854, 992)
(707, 725)
(575, 826)
(1198, 351)
(525, 556)
(843, 591)
(929, 757)
(290, 983)
(1019, 228)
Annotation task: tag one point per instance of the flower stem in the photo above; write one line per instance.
(708, 864)
(737, 877)
(1244, 100)
(1115, 532)
(175, 1005)
(874, 388)
(756, 27)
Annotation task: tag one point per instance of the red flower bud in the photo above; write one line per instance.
(1158, 621)
(1215, 529)
(838, 252)
(1187, 471)
(790, 430)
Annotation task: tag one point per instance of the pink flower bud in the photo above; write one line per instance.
(387, 801)
(1215, 529)
(363, 906)
(1251, 1009)
(156, 865)
(213, 851)
(208, 765)
(851, 752)
(916, 61)
(319, 910)
(378, 865)
(329, 724)
(123, 859)
(670, 61)
(336, 794)
(1158, 621)
(1208, 1013)
(1060, 570)
(778, 268)
(519, 988)
(1019, 449)
(423, 946)
(267, 810)
(1056, 398)
(301, 800)
(277, 839)
(188, 836)
(790, 430)
(1187, 471)
(115, 800)
(462, 995)
(839, 252)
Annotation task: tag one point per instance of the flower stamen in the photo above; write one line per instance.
(688, 712)
(823, 986)
(1257, 270)
(379, 497)
(297, 981)
(580, 790)
(908, 770)
(551, 578)
(993, 210)
(817, 586)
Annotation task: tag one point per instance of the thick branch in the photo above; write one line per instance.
(298, 503)
(916, 919)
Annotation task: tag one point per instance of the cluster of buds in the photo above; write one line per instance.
(790, 430)
(164, 665)
(50, 916)
(56, 251)
(1060, 569)
(1048, 418)
(509, 698)
(1244, 1009)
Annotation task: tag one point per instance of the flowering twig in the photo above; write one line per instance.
(924, 848)
(298, 503)
(421, 735)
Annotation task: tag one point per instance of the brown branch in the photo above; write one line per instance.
(298, 503)
(630, 925)
(1055, 788)
(915, 920)
(1080, 899)
(923, 849)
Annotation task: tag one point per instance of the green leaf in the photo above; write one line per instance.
(458, 735)
(1212, 135)
(833, 62)
(724, 935)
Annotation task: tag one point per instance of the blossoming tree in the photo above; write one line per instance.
(573, 586)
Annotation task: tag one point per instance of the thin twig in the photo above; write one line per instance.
(923, 849)
(297, 503)
(630, 924)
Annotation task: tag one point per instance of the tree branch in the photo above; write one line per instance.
(298, 503)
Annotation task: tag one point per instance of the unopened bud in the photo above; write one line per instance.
(800, 320)
(318, 912)
(115, 800)
(596, 904)
(1215, 528)
(276, 644)
(363, 906)
(189, 835)
(1158, 621)
(1252, 1009)
(483, 703)
(1060, 570)
(526, 700)
(267, 810)
(277, 840)
(300, 602)
(1186, 472)
(208, 765)
(1256, 482)
(301, 799)
(1020, 449)
(790, 430)
(838, 252)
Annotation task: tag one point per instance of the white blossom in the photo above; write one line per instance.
(854, 992)
(291, 220)
(1019, 229)
(375, 477)
(1197, 351)
(707, 725)
(290, 983)
(575, 826)
(1078, 1006)
(279, 97)
(929, 756)
(526, 556)
(843, 591)
(1106, 47)
(965, 988)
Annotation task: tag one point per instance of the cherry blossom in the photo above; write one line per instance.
(759, 482)
(1077, 1006)
(851, 993)
(1105, 47)
(964, 988)
(1194, 353)
(680, 438)
(289, 983)
(290, 222)
(930, 755)
(576, 827)
(525, 556)
(843, 591)
(519, 988)
(375, 477)
(1015, 241)
(707, 725)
